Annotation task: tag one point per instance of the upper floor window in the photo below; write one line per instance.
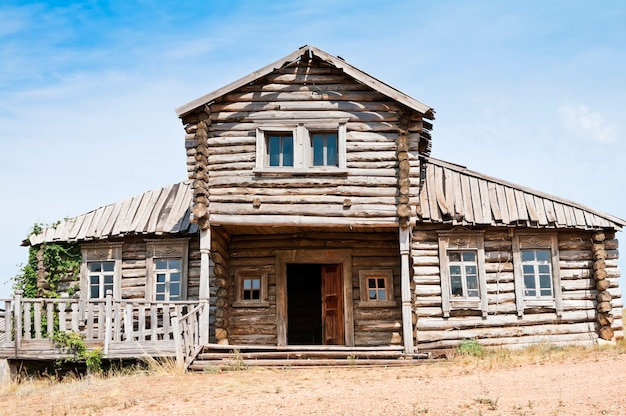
(536, 270)
(101, 270)
(463, 277)
(166, 269)
(301, 147)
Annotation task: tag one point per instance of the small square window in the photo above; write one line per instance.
(324, 149)
(280, 149)
(376, 288)
(251, 288)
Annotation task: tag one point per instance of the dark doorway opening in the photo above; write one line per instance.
(304, 304)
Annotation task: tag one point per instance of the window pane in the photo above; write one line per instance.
(455, 270)
(529, 285)
(108, 279)
(371, 283)
(108, 266)
(528, 269)
(543, 255)
(94, 292)
(107, 288)
(273, 148)
(456, 286)
(160, 277)
(160, 296)
(174, 264)
(372, 294)
(454, 256)
(382, 294)
(331, 150)
(470, 270)
(174, 289)
(160, 288)
(544, 269)
(287, 151)
(256, 294)
(247, 284)
(545, 282)
(95, 267)
(256, 284)
(472, 282)
(318, 150)
(469, 256)
(94, 279)
(528, 255)
(175, 277)
(381, 283)
(160, 264)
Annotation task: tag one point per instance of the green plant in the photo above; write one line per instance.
(469, 347)
(48, 265)
(73, 343)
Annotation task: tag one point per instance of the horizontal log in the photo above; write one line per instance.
(584, 339)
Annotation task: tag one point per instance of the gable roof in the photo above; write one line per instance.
(453, 194)
(309, 52)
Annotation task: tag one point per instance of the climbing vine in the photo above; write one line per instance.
(49, 266)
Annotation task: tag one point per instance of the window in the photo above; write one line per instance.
(166, 269)
(301, 146)
(280, 149)
(376, 288)
(324, 149)
(463, 274)
(536, 269)
(101, 270)
(167, 273)
(101, 277)
(463, 279)
(251, 287)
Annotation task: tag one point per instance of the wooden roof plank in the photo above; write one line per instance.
(119, 220)
(449, 190)
(493, 202)
(550, 211)
(103, 220)
(425, 206)
(95, 220)
(459, 208)
(579, 217)
(439, 190)
(144, 219)
(530, 207)
(541, 213)
(156, 211)
(85, 226)
(484, 202)
(560, 214)
(184, 205)
(144, 205)
(502, 203)
(467, 199)
(174, 216)
(76, 227)
(522, 211)
(511, 204)
(107, 229)
(167, 208)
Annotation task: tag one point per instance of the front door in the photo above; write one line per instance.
(332, 305)
(315, 304)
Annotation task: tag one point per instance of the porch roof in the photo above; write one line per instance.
(454, 194)
(165, 210)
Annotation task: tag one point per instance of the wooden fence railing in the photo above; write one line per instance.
(104, 320)
(189, 334)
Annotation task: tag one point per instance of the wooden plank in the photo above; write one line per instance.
(143, 218)
(541, 213)
(432, 197)
(493, 202)
(439, 189)
(156, 211)
(467, 199)
(119, 221)
(108, 227)
(550, 211)
(484, 202)
(85, 226)
(522, 211)
(476, 200)
(530, 207)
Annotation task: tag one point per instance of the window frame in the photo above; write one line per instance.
(365, 301)
(462, 240)
(536, 241)
(176, 248)
(240, 276)
(302, 131)
(101, 252)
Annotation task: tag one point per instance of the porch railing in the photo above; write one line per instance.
(103, 321)
(190, 331)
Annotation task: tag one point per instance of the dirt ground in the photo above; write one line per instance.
(579, 383)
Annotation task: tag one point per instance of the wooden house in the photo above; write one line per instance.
(313, 217)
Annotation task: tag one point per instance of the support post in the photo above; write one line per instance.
(205, 274)
(178, 341)
(405, 278)
(108, 319)
(17, 318)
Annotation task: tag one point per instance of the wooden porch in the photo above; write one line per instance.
(131, 329)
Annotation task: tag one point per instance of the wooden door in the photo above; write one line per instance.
(332, 305)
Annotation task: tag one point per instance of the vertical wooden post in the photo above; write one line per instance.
(108, 325)
(205, 274)
(62, 319)
(178, 341)
(405, 279)
(18, 320)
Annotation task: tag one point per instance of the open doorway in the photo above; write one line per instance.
(315, 304)
(304, 304)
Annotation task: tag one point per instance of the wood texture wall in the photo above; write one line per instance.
(502, 326)
(308, 89)
(373, 326)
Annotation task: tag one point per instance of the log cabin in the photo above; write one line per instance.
(314, 219)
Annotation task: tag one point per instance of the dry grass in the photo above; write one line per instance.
(487, 384)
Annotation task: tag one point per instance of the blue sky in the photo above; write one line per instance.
(531, 92)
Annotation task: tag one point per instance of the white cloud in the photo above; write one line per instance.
(580, 119)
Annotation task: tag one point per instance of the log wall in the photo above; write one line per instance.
(304, 90)
(372, 325)
(502, 326)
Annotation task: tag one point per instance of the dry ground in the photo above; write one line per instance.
(542, 381)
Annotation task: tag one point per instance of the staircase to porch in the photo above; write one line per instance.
(234, 357)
